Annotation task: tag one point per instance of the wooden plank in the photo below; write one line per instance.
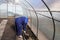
(41, 36)
(2, 27)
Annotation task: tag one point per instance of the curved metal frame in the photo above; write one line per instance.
(49, 17)
(52, 19)
(36, 16)
(7, 8)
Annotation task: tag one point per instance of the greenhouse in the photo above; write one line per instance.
(44, 18)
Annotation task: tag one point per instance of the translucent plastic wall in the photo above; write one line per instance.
(30, 14)
(27, 8)
(45, 19)
(6, 9)
(46, 25)
(11, 9)
(57, 23)
(3, 9)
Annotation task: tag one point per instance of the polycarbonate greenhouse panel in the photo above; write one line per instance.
(31, 8)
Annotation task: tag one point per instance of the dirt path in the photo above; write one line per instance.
(9, 33)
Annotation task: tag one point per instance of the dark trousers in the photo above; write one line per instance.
(20, 27)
